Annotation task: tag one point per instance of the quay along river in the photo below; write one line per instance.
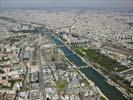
(110, 91)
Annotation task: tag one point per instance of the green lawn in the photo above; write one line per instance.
(96, 57)
(108, 65)
(62, 85)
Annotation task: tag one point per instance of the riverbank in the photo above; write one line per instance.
(100, 69)
(83, 75)
(92, 83)
(108, 90)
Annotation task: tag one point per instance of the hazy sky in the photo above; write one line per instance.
(66, 3)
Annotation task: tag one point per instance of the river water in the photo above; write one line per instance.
(110, 91)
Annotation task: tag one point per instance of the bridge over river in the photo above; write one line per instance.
(110, 91)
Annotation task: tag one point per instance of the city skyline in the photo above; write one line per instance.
(66, 50)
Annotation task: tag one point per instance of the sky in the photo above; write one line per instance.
(66, 3)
